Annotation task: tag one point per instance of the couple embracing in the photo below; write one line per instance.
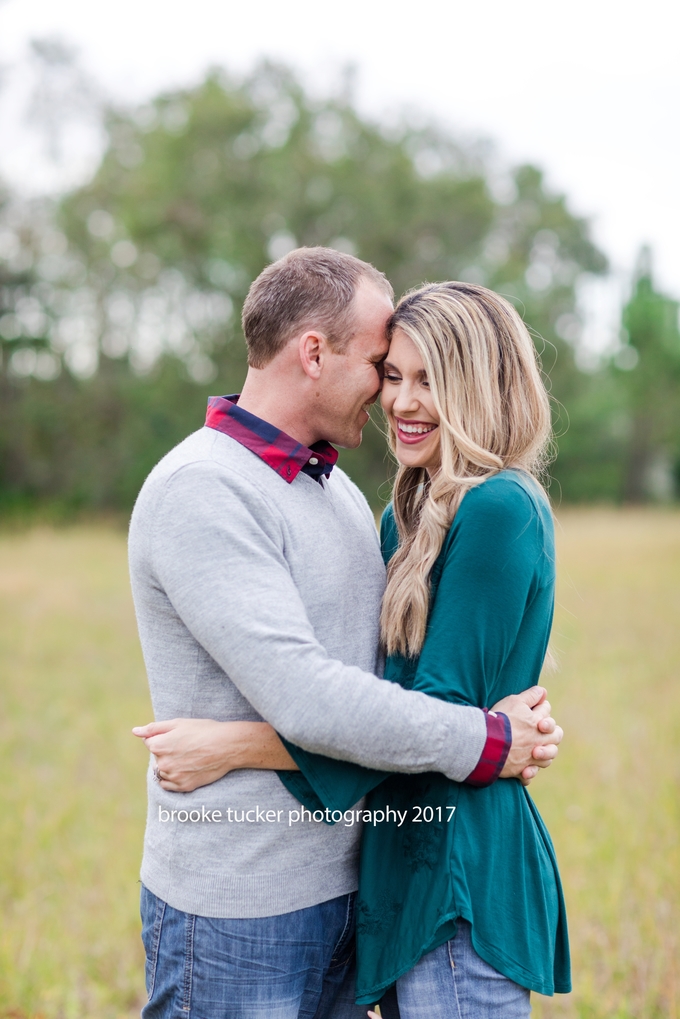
(335, 818)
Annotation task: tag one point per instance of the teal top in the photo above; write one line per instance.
(460, 851)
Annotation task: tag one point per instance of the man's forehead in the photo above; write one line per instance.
(371, 344)
(372, 312)
(371, 300)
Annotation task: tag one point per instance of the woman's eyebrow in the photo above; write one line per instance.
(388, 364)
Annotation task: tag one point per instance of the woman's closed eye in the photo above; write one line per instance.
(392, 374)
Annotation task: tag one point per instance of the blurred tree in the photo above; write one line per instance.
(649, 369)
(535, 254)
(200, 189)
(24, 332)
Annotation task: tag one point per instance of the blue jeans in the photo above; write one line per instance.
(452, 982)
(296, 966)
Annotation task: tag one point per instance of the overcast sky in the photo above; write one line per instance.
(589, 89)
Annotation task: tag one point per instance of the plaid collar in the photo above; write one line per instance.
(286, 456)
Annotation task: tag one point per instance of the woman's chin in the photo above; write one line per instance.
(412, 456)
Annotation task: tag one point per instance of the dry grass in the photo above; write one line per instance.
(72, 799)
(612, 803)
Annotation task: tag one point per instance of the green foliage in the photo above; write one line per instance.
(227, 171)
(90, 443)
(651, 388)
(139, 291)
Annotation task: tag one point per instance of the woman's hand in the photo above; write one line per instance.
(192, 752)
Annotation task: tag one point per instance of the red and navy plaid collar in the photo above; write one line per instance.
(286, 456)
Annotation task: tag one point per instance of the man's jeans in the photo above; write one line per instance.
(296, 966)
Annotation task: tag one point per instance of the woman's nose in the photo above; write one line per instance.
(406, 399)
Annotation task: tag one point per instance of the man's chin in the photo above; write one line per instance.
(348, 442)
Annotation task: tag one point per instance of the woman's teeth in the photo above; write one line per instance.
(416, 429)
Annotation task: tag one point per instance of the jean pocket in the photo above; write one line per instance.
(152, 911)
(345, 946)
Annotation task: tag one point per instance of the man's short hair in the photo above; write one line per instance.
(309, 288)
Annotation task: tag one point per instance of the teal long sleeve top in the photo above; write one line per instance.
(482, 854)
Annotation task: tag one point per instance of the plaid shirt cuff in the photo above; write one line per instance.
(495, 752)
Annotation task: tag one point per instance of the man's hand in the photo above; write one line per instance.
(191, 752)
(535, 735)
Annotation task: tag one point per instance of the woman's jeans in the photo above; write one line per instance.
(296, 966)
(452, 982)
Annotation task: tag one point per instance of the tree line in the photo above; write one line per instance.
(120, 303)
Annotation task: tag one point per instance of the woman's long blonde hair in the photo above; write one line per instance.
(484, 375)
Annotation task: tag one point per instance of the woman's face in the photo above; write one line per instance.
(408, 403)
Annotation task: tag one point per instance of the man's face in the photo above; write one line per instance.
(352, 380)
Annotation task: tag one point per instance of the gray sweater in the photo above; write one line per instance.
(257, 598)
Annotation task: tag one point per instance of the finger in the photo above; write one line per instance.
(534, 695)
(154, 744)
(547, 725)
(528, 774)
(153, 728)
(554, 738)
(542, 710)
(165, 775)
(545, 752)
(144, 731)
(178, 785)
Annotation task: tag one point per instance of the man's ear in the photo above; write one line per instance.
(312, 348)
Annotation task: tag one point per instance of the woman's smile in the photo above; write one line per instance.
(412, 432)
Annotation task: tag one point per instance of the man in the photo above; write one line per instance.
(257, 580)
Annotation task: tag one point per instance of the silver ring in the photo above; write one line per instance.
(156, 774)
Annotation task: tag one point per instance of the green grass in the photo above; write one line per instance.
(72, 795)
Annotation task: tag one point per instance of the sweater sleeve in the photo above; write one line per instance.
(219, 558)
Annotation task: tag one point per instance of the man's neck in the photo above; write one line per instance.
(270, 398)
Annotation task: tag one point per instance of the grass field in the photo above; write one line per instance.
(72, 790)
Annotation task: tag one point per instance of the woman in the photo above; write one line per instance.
(460, 902)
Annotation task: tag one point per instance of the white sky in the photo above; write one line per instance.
(588, 89)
